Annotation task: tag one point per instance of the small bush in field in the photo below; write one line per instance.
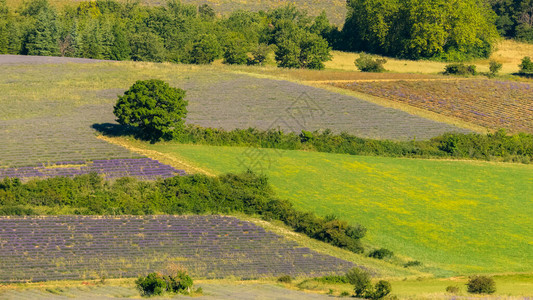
(526, 67)
(366, 63)
(452, 289)
(460, 69)
(361, 281)
(481, 285)
(412, 263)
(381, 289)
(381, 253)
(494, 67)
(151, 285)
(285, 279)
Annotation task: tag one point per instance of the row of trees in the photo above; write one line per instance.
(175, 32)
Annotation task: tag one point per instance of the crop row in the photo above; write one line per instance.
(82, 247)
(143, 168)
(489, 103)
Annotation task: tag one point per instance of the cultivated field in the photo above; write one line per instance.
(87, 247)
(48, 110)
(492, 104)
(453, 216)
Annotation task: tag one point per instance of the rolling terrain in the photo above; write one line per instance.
(454, 216)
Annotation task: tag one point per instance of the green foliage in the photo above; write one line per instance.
(416, 29)
(360, 279)
(236, 52)
(259, 55)
(147, 46)
(412, 263)
(497, 146)
(42, 38)
(460, 69)
(285, 279)
(366, 63)
(481, 285)
(494, 67)
(297, 48)
(514, 18)
(205, 50)
(452, 289)
(151, 285)
(526, 67)
(155, 108)
(381, 253)
(199, 194)
(333, 279)
(381, 289)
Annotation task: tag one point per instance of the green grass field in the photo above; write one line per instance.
(456, 217)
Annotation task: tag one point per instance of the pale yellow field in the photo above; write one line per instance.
(509, 53)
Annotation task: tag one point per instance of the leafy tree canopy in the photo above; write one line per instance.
(155, 108)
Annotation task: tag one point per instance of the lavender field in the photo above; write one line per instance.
(89, 247)
(141, 168)
(49, 109)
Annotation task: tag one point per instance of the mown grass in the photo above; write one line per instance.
(456, 217)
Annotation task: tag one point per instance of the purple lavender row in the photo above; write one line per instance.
(76, 247)
(142, 168)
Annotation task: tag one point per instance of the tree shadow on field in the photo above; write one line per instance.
(115, 130)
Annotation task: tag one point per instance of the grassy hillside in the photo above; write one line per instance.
(456, 216)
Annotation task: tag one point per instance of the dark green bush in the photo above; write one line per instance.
(285, 279)
(151, 285)
(459, 69)
(481, 285)
(526, 67)
(412, 263)
(381, 289)
(381, 253)
(367, 63)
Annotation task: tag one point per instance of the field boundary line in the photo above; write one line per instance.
(173, 161)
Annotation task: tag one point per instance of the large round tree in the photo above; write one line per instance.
(155, 108)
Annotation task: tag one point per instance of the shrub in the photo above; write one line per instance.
(412, 263)
(155, 108)
(381, 253)
(460, 69)
(235, 52)
(285, 279)
(204, 50)
(452, 289)
(481, 285)
(333, 279)
(361, 281)
(382, 289)
(494, 67)
(526, 67)
(259, 55)
(366, 63)
(151, 285)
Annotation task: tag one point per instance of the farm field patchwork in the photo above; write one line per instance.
(490, 103)
(456, 217)
(48, 110)
(90, 247)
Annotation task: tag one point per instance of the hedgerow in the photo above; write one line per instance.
(197, 194)
(493, 146)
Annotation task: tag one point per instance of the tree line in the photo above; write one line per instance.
(177, 32)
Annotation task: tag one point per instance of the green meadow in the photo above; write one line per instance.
(456, 217)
